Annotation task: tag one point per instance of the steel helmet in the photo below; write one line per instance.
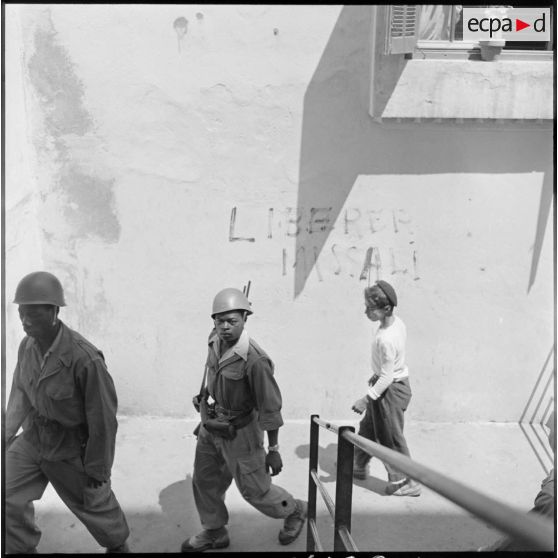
(228, 300)
(40, 287)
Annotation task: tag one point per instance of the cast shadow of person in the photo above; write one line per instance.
(177, 500)
(178, 519)
(327, 462)
(163, 530)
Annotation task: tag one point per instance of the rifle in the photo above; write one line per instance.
(200, 403)
(246, 291)
(207, 411)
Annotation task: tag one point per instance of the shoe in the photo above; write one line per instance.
(360, 473)
(208, 538)
(294, 523)
(122, 549)
(406, 488)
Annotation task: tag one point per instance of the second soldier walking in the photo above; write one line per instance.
(240, 402)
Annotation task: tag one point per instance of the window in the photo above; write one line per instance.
(440, 31)
(439, 23)
(422, 69)
(436, 30)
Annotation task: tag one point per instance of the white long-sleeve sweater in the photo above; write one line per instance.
(388, 356)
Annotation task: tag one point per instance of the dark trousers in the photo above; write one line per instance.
(219, 461)
(383, 423)
(27, 476)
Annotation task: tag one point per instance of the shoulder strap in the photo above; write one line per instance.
(202, 387)
(22, 346)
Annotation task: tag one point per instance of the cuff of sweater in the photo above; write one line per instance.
(372, 393)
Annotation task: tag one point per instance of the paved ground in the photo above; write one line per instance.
(152, 480)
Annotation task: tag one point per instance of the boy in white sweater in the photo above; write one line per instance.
(389, 391)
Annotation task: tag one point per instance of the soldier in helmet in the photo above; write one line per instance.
(247, 402)
(64, 398)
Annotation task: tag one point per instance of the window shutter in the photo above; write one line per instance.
(401, 35)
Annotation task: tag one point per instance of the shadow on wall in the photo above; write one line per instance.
(340, 141)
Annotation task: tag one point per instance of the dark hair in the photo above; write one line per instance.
(375, 296)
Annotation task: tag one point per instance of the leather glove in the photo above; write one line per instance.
(359, 406)
(196, 402)
(273, 462)
(94, 483)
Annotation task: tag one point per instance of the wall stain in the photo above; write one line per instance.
(60, 91)
(181, 28)
(89, 208)
(87, 201)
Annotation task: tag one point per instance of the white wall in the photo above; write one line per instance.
(128, 148)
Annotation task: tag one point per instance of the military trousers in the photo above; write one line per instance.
(218, 461)
(27, 476)
(383, 423)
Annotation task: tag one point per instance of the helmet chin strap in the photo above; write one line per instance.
(54, 320)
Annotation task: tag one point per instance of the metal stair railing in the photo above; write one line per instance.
(533, 531)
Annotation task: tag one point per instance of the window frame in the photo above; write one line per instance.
(471, 50)
(387, 69)
(460, 49)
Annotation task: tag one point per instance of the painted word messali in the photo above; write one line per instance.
(365, 244)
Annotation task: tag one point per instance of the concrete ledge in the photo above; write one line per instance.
(465, 89)
(152, 480)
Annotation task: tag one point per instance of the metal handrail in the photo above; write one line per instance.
(340, 509)
(531, 530)
(330, 505)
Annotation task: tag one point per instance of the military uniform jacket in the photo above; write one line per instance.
(242, 384)
(67, 408)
